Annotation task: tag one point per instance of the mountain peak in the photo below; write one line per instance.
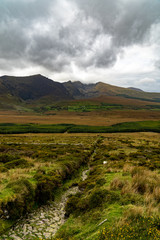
(34, 87)
(136, 89)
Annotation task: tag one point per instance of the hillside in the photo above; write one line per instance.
(32, 88)
(37, 90)
(103, 89)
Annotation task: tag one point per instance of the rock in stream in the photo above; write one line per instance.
(44, 222)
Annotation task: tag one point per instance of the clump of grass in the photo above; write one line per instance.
(134, 213)
(117, 184)
(156, 194)
(145, 181)
(128, 168)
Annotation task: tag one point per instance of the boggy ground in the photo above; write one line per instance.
(119, 199)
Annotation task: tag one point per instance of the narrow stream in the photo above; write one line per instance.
(44, 222)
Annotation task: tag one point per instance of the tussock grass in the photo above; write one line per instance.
(117, 184)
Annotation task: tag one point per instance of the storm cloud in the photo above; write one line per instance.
(60, 36)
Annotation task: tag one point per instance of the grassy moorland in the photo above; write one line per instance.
(120, 197)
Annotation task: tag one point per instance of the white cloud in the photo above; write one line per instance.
(147, 81)
(136, 59)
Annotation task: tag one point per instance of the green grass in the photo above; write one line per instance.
(124, 191)
(126, 213)
(95, 204)
(45, 168)
(83, 106)
(90, 107)
(110, 176)
(142, 126)
(5, 225)
(8, 128)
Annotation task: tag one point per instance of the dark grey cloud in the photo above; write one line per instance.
(128, 21)
(54, 34)
(24, 9)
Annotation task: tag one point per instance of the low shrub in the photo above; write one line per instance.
(101, 181)
(97, 198)
(46, 186)
(142, 228)
(3, 169)
(6, 157)
(20, 163)
(73, 204)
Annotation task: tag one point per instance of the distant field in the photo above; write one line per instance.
(94, 118)
(103, 103)
(141, 126)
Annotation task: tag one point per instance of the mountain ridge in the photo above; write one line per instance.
(37, 89)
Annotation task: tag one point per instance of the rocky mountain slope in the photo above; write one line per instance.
(39, 89)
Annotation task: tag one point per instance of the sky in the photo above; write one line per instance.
(112, 41)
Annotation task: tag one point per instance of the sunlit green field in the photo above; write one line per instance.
(140, 126)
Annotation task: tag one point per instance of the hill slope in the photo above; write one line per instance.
(103, 89)
(32, 88)
(16, 92)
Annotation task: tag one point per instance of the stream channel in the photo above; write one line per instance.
(44, 222)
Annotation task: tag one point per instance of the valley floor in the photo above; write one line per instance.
(98, 118)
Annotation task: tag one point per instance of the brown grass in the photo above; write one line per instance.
(90, 118)
(127, 189)
(134, 212)
(145, 181)
(117, 184)
(156, 193)
(128, 168)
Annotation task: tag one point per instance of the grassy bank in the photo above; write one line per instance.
(141, 126)
(33, 168)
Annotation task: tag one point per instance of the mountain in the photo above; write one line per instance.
(37, 89)
(33, 88)
(137, 89)
(79, 91)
